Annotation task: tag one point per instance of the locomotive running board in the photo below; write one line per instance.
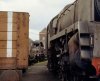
(63, 32)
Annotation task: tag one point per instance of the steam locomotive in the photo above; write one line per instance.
(73, 42)
(36, 52)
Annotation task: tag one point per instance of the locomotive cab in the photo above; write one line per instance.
(89, 32)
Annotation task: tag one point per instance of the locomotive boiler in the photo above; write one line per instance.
(73, 41)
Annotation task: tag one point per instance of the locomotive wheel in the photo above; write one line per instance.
(77, 78)
(64, 78)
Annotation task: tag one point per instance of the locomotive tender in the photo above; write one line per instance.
(73, 41)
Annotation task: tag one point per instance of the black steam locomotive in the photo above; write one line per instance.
(73, 42)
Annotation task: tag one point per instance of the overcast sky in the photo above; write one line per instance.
(41, 12)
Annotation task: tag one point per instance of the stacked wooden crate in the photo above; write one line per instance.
(14, 40)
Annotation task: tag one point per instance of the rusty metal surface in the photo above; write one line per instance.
(64, 31)
(81, 17)
(80, 10)
(96, 31)
(85, 10)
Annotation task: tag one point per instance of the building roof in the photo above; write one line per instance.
(30, 40)
(43, 31)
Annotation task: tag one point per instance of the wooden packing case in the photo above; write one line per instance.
(14, 40)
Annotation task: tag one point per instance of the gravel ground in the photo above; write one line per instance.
(39, 72)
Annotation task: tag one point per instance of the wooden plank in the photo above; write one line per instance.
(3, 36)
(16, 17)
(14, 52)
(3, 27)
(15, 14)
(3, 44)
(3, 52)
(14, 44)
(19, 40)
(3, 20)
(23, 42)
(14, 36)
(16, 20)
(7, 63)
(15, 27)
(3, 14)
